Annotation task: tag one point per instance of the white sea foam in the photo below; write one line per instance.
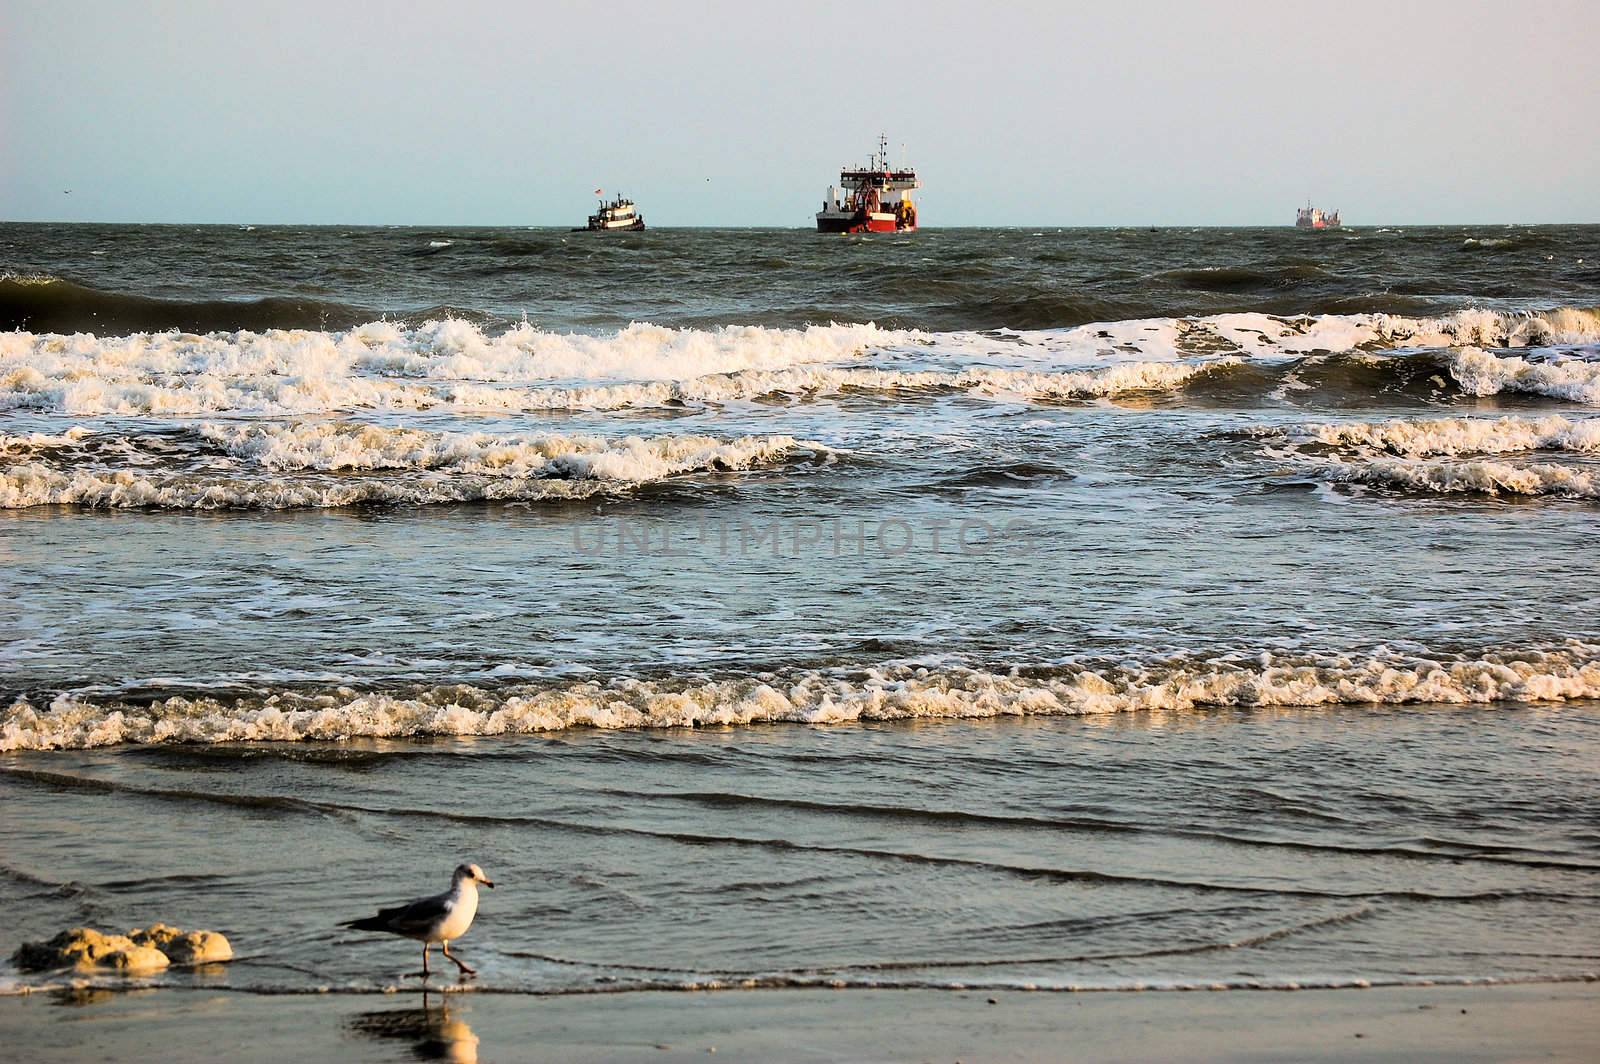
(23, 445)
(343, 446)
(1476, 476)
(1421, 437)
(203, 394)
(1445, 455)
(1121, 379)
(885, 693)
(1481, 373)
(1266, 336)
(33, 484)
(107, 470)
(457, 365)
(458, 350)
(383, 365)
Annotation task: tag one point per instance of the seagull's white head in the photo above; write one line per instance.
(474, 874)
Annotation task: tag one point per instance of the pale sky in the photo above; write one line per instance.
(511, 113)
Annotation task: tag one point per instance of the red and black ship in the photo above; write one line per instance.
(876, 198)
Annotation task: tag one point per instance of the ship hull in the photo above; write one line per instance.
(875, 199)
(860, 223)
(1309, 217)
(632, 227)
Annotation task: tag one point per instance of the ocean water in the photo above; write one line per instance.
(1058, 609)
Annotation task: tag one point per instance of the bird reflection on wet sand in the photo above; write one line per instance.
(435, 1033)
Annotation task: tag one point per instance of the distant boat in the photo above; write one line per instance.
(877, 199)
(1309, 217)
(617, 216)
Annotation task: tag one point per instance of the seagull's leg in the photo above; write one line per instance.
(424, 972)
(466, 969)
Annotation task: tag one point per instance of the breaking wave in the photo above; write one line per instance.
(884, 693)
(1450, 455)
(1258, 335)
(1477, 477)
(383, 365)
(291, 395)
(1421, 437)
(280, 466)
(1481, 373)
(455, 364)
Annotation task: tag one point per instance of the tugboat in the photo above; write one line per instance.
(618, 216)
(876, 198)
(1309, 217)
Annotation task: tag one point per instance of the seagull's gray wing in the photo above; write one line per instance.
(420, 914)
(411, 918)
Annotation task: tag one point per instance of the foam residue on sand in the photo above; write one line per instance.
(880, 693)
(184, 947)
(141, 950)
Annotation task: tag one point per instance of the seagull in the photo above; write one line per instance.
(438, 918)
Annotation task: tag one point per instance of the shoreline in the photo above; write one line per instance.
(105, 983)
(1557, 1021)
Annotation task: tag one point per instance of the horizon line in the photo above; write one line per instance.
(787, 228)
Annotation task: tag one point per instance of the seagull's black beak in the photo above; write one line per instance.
(489, 883)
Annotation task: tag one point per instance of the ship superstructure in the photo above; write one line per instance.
(618, 215)
(871, 199)
(1309, 217)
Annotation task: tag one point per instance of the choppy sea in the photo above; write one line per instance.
(1050, 609)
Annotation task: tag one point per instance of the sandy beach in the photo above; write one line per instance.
(1508, 1023)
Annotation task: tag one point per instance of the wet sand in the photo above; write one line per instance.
(1507, 1023)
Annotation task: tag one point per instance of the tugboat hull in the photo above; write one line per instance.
(617, 216)
(635, 226)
